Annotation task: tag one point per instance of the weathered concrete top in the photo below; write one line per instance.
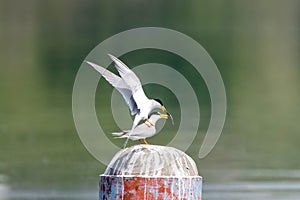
(151, 160)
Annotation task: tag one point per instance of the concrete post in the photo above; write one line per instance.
(148, 172)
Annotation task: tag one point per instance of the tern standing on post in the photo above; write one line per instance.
(142, 131)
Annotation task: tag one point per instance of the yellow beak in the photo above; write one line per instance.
(164, 116)
(163, 108)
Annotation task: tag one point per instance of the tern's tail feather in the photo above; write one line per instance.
(119, 134)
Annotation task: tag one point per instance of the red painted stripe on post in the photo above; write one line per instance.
(150, 188)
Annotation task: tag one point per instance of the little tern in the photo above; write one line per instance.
(142, 131)
(129, 85)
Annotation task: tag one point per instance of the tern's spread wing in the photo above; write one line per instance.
(118, 83)
(131, 79)
(127, 74)
(127, 95)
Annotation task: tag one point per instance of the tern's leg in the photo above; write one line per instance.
(145, 142)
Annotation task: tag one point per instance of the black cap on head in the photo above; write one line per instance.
(159, 101)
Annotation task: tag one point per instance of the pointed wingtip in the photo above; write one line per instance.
(91, 64)
(88, 62)
(111, 56)
(95, 66)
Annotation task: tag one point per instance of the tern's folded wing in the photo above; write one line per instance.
(143, 130)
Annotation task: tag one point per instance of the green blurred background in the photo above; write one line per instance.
(255, 44)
